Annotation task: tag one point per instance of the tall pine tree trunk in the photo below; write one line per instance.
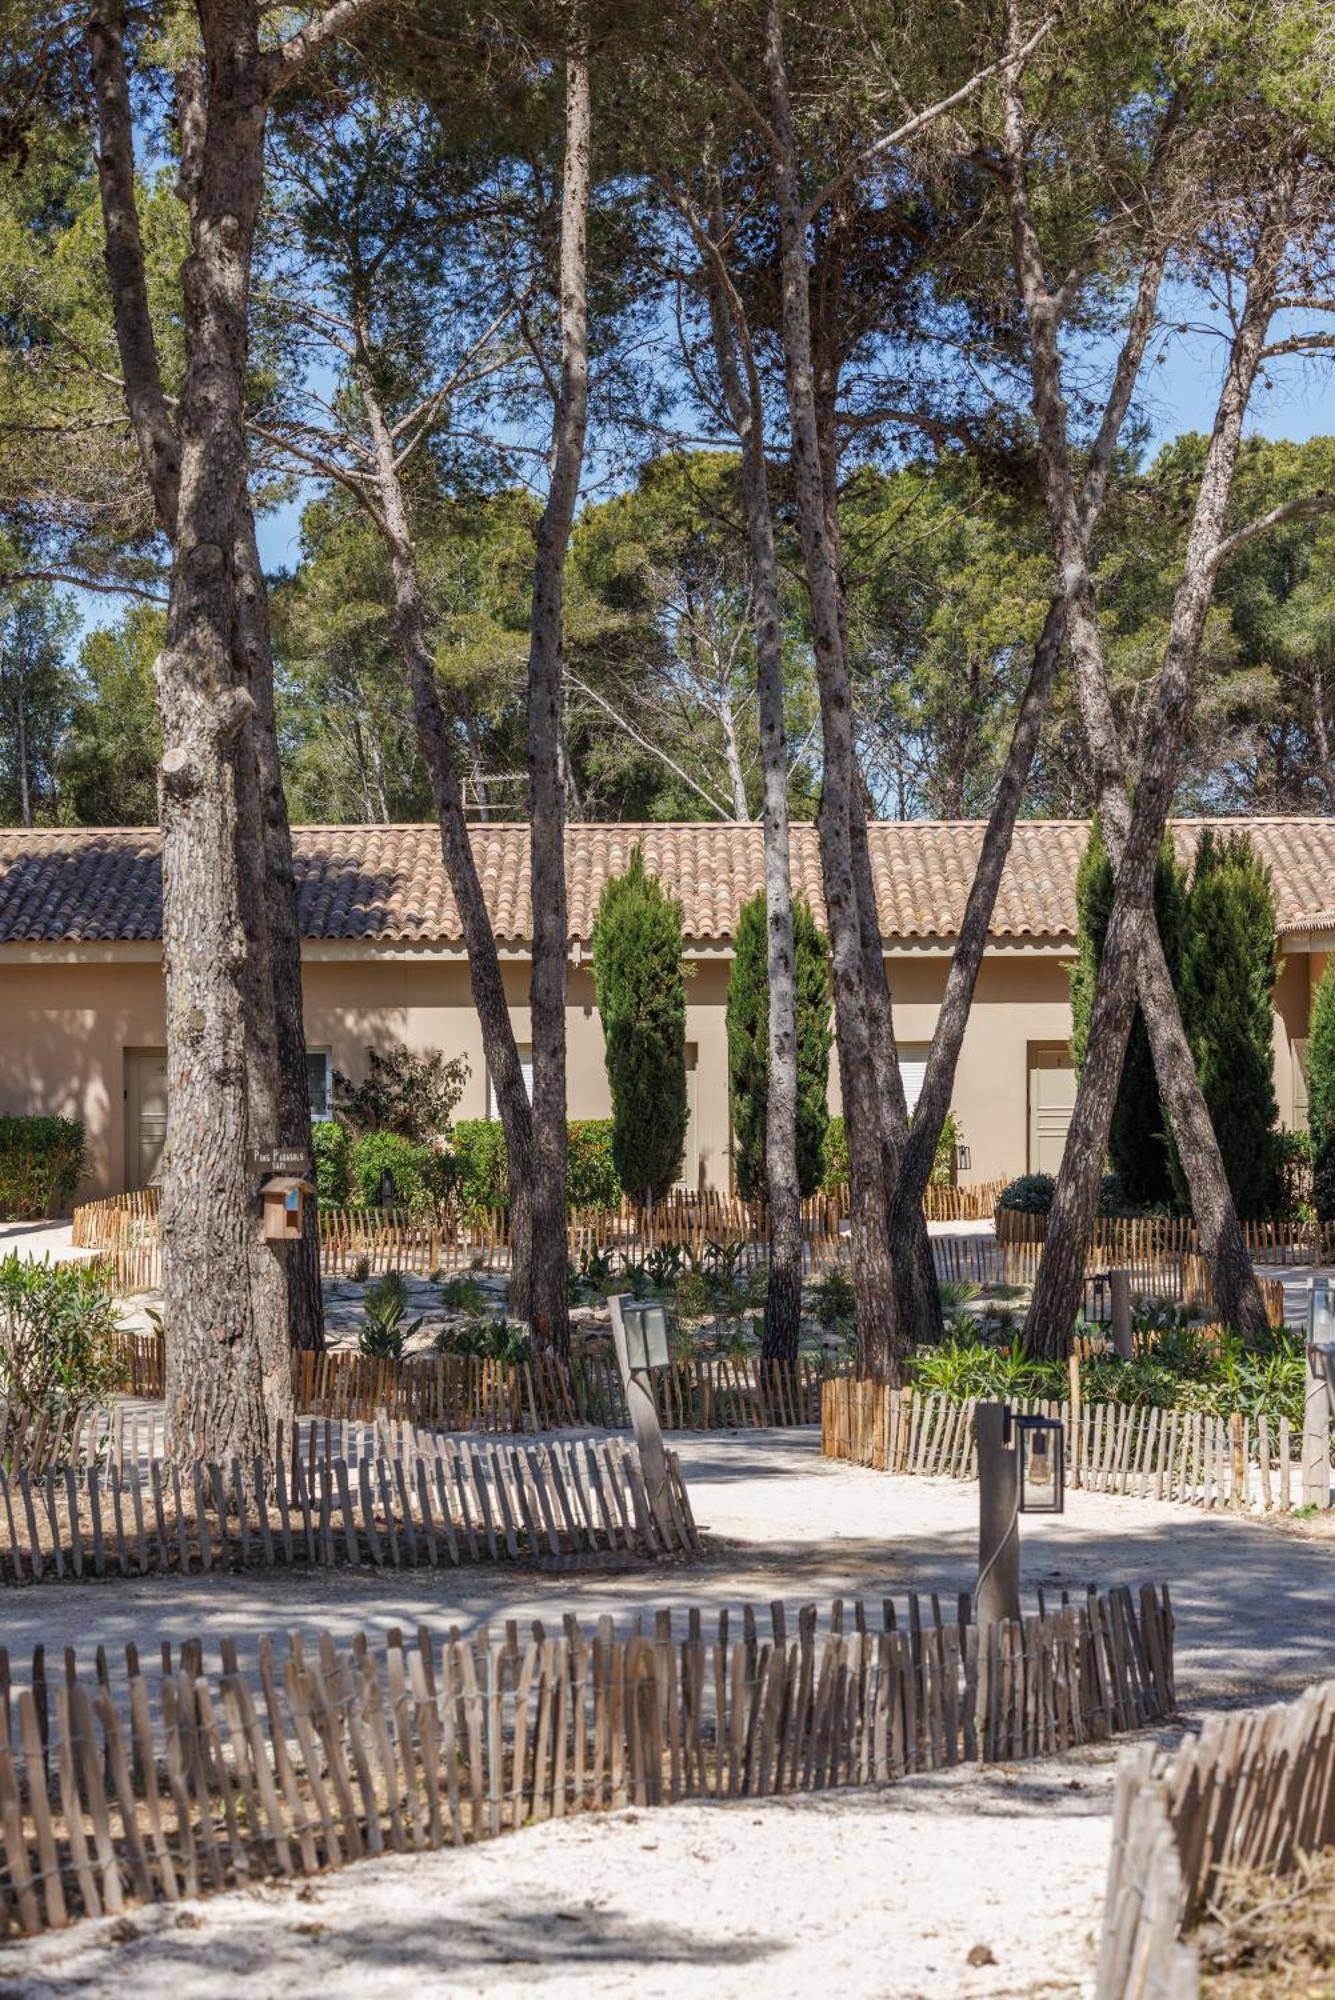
(880, 1335)
(783, 1291)
(484, 966)
(551, 944)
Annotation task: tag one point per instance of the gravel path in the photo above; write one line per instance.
(880, 1893)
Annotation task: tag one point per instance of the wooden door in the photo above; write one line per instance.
(1051, 1102)
(145, 1115)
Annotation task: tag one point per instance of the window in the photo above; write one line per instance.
(1300, 1079)
(913, 1068)
(526, 1064)
(320, 1077)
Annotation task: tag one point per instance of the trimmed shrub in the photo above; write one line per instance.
(1031, 1194)
(748, 1045)
(641, 987)
(330, 1146)
(40, 1163)
(834, 1155)
(1230, 959)
(480, 1174)
(1138, 1147)
(1321, 1094)
(419, 1174)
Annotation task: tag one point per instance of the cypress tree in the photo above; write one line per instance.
(1230, 961)
(1321, 1094)
(641, 989)
(748, 1046)
(1138, 1145)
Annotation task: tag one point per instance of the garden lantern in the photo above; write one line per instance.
(1040, 1449)
(1321, 1337)
(646, 1332)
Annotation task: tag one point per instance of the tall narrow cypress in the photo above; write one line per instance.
(640, 984)
(1321, 1094)
(748, 1065)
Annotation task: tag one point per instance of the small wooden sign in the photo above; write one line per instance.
(283, 1160)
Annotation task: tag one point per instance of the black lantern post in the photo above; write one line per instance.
(1041, 1450)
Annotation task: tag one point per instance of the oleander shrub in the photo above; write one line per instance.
(58, 1325)
(40, 1163)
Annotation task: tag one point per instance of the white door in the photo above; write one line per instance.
(1051, 1102)
(145, 1115)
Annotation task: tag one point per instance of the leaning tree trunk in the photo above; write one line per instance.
(484, 966)
(305, 1297)
(880, 1335)
(551, 945)
(783, 1289)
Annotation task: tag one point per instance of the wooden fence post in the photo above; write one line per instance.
(1119, 1282)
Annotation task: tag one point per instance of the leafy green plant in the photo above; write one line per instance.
(361, 1268)
(833, 1300)
(484, 1339)
(385, 1328)
(956, 1292)
(58, 1325)
(1029, 1194)
(418, 1175)
(330, 1145)
(693, 1296)
(594, 1276)
(664, 1265)
(411, 1095)
(480, 1170)
(463, 1294)
(962, 1369)
(40, 1163)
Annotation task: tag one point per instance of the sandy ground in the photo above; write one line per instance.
(881, 1893)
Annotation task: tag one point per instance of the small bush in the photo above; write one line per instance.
(419, 1174)
(40, 1163)
(385, 1327)
(330, 1146)
(463, 1295)
(486, 1339)
(834, 1155)
(834, 1300)
(409, 1094)
(58, 1326)
(1031, 1194)
(480, 1174)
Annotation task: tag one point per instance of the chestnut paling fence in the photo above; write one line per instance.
(1123, 1239)
(169, 1780)
(1185, 1455)
(397, 1500)
(124, 1230)
(1254, 1791)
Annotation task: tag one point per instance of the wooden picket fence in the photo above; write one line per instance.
(160, 1783)
(1254, 1790)
(123, 1231)
(1124, 1239)
(1189, 1456)
(432, 1502)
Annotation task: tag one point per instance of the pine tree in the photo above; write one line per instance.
(641, 989)
(1321, 1094)
(1138, 1145)
(748, 1030)
(1229, 964)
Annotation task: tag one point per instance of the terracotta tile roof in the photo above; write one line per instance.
(388, 882)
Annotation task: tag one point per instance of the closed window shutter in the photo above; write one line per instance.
(526, 1065)
(913, 1068)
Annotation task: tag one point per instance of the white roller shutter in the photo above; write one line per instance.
(913, 1068)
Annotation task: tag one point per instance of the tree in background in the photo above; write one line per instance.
(748, 1029)
(641, 988)
(35, 691)
(107, 764)
(1229, 964)
(1321, 1094)
(1138, 1146)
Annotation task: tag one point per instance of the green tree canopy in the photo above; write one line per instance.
(748, 1046)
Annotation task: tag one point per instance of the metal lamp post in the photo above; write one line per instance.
(640, 1335)
(1320, 1401)
(1021, 1470)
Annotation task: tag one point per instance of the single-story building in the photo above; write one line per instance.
(81, 1002)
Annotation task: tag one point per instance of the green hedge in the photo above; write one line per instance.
(480, 1174)
(835, 1155)
(420, 1174)
(330, 1146)
(40, 1163)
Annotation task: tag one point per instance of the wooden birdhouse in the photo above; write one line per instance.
(284, 1199)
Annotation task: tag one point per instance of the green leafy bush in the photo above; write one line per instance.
(419, 1174)
(1030, 1194)
(58, 1325)
(413, 1095)
(834, 1155)
(480, 1175)
(486, 1339)
(330, 1146)
(40, 1163)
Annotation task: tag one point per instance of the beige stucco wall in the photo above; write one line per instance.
(65, 1027)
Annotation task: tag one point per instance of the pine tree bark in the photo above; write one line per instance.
(551, 944)
(1146, 973)
(228, 1372)
(486, 979)
(1132, 942)
(881, 1337)
(744, 397)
